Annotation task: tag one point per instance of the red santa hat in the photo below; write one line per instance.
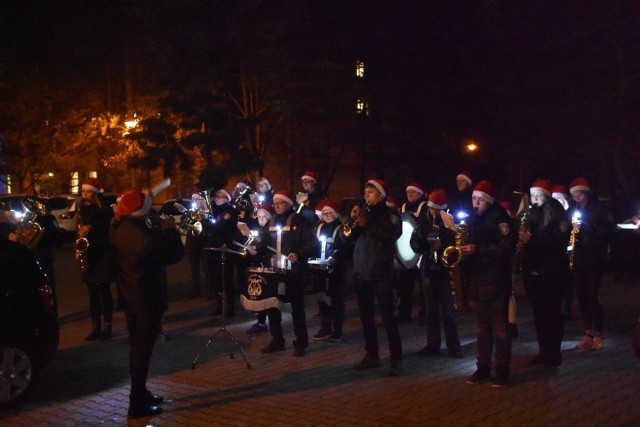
(559, 190)
(507, 207)
(437, 199)
(541, 186)
(579, 184)
(330, 206)
(379, 185)
(283, 195)
(486, 190)
(415, 186)
(265, 209)
(392, 202)
(310, 175)
(134, 203)
(223, 193)
(92, 184)
(465, 175)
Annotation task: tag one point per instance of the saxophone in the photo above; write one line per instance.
(517, 267)
(81, 245)
(571, 248)
(451, 258)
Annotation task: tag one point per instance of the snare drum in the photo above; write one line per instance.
(319, 270)
(265, 289)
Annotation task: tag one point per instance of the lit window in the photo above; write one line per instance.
(74, 184)
(362, 107)
(360, 69)
(93, 174)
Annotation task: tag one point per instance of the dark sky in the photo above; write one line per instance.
(552, 82)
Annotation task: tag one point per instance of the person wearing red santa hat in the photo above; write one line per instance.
(264, 213)
(292, 236)
(374, 233)
(545, 268)
(559, 192)
(593, 226)
(97, 269)
(219, 229)
(264, 191)
(407, 278)
(142, 254)
(460, 201)
(331, 304)
(430, 239)
(487, 262)
(308, 198)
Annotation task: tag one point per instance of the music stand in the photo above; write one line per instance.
(227, 335)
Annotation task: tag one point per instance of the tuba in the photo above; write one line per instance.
(29, 232)
(451, 258)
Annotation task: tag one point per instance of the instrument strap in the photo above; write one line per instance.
(417, 212)
(333, 236)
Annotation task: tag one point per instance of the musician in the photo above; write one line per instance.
(93, 221)
(219, 229)
(294, 236)
(142, 254)
(309, 197)
(461, 200)
(375, 230)
(487, 264)
(416, 205)
(264, 191)
(245, 214)
(194, 245)
(260, 257)
(559, 192)
(332, 313)
(544, 268)
(430, 238)
(595, 227)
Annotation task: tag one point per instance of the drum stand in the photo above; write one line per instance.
(226, 334)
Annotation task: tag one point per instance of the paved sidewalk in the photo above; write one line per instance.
(88, 383)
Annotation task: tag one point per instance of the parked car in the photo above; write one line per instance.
(29, 330)
(13, 209)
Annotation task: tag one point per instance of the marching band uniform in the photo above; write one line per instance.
(431, 238)
(544, 267)
(293, 235)
(309, 197)
(408, 277)
(488, 269)
(264, 191)
(141, 255)
(260, 256)
(512, 327)
(595, 227)
(331, 315)
(194, 248)
(220, 230)
(374, 235)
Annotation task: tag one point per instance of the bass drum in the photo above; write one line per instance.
(265, 289)
(405, 257)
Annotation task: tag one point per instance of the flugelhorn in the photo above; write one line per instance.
(347, 227)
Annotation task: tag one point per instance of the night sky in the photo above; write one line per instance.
(547, 88)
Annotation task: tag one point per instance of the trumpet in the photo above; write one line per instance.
(347, 227)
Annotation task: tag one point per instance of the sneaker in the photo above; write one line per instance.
(395, 369)
(500, 381)
(367, 362)
(273, 347)
(586, 342)
(334, 338)
(322, 334)
(478, 377)
(257, 328)
(597, 343)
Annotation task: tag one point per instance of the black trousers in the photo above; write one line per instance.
(143, 331)
(545, 294)
(299, 322)
(100, 302)
(367, 292)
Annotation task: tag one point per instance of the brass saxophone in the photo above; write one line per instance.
(451, 258)
(81, 245)
(571, 248)
(517, 267)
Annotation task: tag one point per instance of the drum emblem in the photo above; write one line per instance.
(254, 287)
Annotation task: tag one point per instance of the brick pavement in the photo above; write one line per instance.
(87, 383)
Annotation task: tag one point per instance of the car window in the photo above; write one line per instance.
(56, 203)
